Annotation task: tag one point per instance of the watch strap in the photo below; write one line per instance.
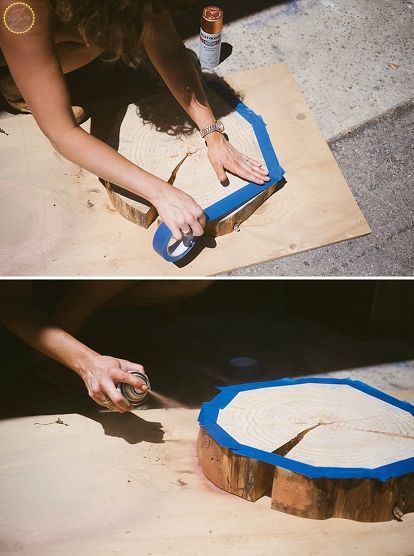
(216, 126)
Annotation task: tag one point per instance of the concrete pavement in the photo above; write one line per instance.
(353, 60)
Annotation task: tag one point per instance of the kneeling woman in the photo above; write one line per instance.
(41, 40)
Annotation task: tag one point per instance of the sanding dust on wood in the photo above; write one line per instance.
(345, 452)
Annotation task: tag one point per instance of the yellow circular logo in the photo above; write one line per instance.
(19, 17)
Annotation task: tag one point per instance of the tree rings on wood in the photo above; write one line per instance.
(157, 135)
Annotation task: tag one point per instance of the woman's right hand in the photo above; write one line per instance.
(180, 212)
(101, 374)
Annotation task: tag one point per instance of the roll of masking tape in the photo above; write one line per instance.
(163, 242)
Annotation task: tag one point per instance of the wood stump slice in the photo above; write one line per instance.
(155, 134)
(320, 447)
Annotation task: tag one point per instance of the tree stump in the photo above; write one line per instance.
(157, 135)
(320, 447)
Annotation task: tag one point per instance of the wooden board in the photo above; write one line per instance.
(325, 426)
(58, 219)
(168, 146)
(115, 484)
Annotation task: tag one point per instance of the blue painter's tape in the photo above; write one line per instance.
(210, 410)
(224, 207)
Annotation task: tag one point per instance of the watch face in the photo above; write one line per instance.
(220, 126)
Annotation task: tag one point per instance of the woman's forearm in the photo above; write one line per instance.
(28, 322)
(100, 373)
(172, 61)
(97, 157)
(177, 210)
(169, 56)
(179, 74)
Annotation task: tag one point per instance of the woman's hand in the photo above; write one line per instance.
(180, 212)
(101, 373)
(223, 156)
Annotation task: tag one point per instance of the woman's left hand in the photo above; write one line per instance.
(223, 156)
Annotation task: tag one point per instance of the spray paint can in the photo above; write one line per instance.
(132, 395)
(210, 36)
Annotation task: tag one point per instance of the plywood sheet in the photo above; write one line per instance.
(59, 221)
(122, 484)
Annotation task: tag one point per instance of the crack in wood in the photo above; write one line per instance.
(293, 442)
(174, 173)
(288, 446)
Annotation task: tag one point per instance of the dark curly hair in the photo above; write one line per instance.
(116, 26)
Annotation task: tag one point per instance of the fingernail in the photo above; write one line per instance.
(267, 179)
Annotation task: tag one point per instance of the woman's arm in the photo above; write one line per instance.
(100, 373)
(34, 64)
(168, 54)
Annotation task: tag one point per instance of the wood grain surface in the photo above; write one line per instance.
(179, 156)
(111, 483)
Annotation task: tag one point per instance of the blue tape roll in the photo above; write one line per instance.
(224, 207)
(210, 410)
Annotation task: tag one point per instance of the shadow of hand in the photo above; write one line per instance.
(130, 427)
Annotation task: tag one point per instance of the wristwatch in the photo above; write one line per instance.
(217, 126)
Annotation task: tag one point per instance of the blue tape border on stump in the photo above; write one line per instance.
(226, 206)
(210, 410)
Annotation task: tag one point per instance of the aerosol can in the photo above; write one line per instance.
(210, 36)
(132, 395)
